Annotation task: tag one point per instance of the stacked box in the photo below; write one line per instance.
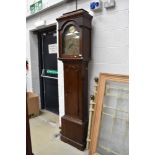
(33, 104)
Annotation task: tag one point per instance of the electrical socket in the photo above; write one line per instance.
(109, 4)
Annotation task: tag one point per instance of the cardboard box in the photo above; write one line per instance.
(33, 104)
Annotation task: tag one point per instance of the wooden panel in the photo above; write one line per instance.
(73, 91)
(74, 132)
(98, 107)
(75, 128)
(28, 135)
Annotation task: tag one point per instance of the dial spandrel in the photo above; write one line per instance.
(71, 41)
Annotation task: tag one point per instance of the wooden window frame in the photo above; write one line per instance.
(98, 107)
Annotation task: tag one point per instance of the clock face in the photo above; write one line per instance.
(71, 43)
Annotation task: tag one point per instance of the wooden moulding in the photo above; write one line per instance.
(98, 107)
(91, 111)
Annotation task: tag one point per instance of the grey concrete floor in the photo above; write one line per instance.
(45, 136)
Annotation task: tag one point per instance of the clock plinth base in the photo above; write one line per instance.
(74, 132)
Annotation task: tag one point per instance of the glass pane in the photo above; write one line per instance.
(71, 43)
(114, 127)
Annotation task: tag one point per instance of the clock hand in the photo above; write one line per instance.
(70, 45)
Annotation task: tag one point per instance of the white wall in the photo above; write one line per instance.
(28, 76)
(45, 4)
(109, 40)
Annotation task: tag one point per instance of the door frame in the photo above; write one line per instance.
(40, 60)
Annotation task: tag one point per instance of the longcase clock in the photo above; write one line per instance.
(75, 52)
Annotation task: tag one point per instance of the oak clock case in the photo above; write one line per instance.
(75, 52)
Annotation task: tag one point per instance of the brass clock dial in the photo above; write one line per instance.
(71, 41)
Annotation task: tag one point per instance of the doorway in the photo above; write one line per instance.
(47, 43)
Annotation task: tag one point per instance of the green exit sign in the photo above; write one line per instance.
(49, 71)
(34, 8)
